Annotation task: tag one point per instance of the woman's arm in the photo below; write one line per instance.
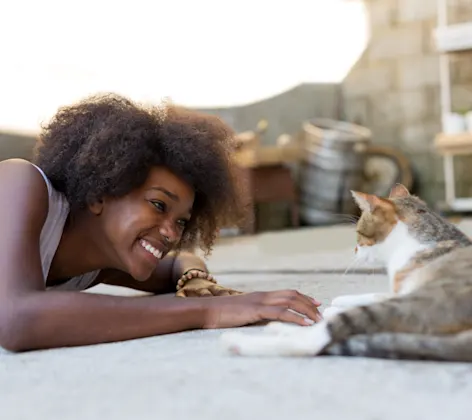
(164, 278)
(58, 319)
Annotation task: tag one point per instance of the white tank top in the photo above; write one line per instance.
(51, 235)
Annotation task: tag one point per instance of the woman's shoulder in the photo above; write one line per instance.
(22, 175)
(19, 167)
(22, 184)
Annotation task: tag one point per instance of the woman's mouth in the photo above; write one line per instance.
(149, 248)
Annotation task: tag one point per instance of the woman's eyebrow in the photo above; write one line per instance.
(172, 196)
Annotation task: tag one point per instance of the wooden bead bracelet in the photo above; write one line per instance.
(183, 279)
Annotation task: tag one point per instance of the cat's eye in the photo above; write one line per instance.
(421, 211)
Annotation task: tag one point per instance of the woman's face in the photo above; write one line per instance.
(143, 226)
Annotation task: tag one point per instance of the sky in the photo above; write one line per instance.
(198, 53)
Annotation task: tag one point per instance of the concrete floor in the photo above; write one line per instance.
(186, 376)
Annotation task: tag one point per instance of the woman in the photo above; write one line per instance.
(114, 192)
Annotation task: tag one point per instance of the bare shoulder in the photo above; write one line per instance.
(23, 211)
(23, 192)
(20, 173)
(18, 167)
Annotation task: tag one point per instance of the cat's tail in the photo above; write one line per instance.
(388, 345)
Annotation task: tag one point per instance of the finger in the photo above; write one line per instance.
(204, 292)
(235, 292)
(192, 292)
(219, 291)
(181, 293)
(291, 294)
(316, 302)
(278, 313)
(297, 302)
(309, 300)
(232, 292)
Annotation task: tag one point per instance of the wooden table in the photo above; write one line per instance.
(266, 184)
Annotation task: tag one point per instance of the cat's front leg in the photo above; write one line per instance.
(331, 311)
(344, 302)
(350, 301)
(301, 341)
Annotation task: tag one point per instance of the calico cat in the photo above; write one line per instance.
(426, 315)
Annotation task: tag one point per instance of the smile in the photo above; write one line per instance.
(149, 248)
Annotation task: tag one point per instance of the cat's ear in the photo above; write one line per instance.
(366, 202)
(399, 191)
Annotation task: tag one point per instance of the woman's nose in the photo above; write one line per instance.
(169, 232)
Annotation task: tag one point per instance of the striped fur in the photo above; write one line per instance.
(428, 313)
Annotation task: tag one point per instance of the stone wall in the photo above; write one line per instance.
(394, 87)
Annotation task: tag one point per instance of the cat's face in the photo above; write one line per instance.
(385, 220)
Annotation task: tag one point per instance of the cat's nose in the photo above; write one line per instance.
(355, 250)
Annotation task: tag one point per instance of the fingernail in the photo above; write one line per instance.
(316, 302)
(309, 321)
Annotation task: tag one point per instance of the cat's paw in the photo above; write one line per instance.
(350, 301)
(330, 311)
(277, 327)
(307, 341)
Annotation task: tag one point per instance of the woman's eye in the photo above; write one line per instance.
(159, 205)
(182, 223)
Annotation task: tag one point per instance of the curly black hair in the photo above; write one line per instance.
(105, 145)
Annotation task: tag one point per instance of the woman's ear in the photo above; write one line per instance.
(96, 207)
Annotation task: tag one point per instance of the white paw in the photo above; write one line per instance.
(349, 301)
(281, 328)
(306, 341)
(330, 311)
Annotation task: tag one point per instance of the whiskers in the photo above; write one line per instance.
(342, 219)
(352, 265)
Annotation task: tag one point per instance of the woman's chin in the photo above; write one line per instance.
(142, 265)
(141, 273)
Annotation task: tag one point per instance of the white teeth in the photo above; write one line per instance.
(148, 247)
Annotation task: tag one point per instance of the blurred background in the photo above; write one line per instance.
(325, 95)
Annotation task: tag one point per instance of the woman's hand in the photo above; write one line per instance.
(284, 305)
(201, 284)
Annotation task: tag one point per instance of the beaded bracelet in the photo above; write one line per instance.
(194, 269)
(183, 279)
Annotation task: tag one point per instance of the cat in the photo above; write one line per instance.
(427, 313)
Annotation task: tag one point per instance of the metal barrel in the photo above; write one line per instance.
(332, 164)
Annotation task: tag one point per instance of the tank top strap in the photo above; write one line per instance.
(51, 234)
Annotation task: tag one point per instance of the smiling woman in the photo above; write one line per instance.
(115, 191)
